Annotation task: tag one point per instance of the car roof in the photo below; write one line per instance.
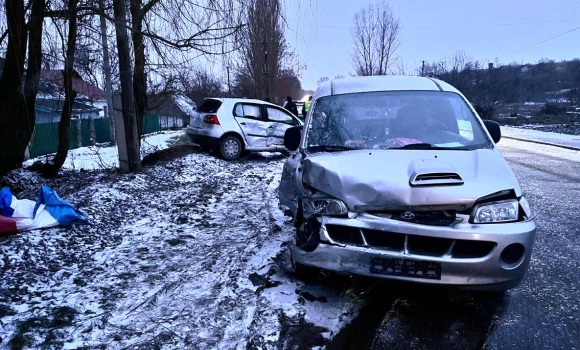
(381, 83)
(240, 99)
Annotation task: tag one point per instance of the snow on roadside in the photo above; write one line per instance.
(184, 255)
(107, 157)
(542, 136)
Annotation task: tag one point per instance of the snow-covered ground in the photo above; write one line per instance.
(542, 136)
(191, 253)
(107, 157)
(542, 142)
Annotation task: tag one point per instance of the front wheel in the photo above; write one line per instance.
(231, 147)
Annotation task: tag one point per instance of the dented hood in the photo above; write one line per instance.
(382, 179)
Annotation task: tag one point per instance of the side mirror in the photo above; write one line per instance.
(292, 137)
(493, 129)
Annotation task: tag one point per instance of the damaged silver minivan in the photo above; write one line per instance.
(398, 178)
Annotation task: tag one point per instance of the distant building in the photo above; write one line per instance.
(173, 111)
(87, 93)
(525, 68)
(90, 102)
(49, 110)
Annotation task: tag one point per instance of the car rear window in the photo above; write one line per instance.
(209, 106)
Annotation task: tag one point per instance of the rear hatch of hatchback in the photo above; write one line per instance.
(206, 114)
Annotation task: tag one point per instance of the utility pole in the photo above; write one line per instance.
(423, 69)
(107, 70)
(127, 97)
(266, 71)
(229, 86)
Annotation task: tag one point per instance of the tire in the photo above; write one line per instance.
(231, 147)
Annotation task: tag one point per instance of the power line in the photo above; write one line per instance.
(538, 43)
(459, 26)
(515, 38)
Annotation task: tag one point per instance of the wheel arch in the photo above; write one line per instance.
(234, 134)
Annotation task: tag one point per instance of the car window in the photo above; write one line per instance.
(389, 120)
(246, 110)
(209, 106)
(277, 115)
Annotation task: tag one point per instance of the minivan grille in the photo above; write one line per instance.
(412, 244)
(436, 179)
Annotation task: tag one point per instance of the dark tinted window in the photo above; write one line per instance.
(209, 106)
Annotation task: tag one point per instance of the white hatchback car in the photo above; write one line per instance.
(234, 125)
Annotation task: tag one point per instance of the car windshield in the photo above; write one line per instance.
(394, 120)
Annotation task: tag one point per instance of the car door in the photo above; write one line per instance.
(279, 120)
(250, 118)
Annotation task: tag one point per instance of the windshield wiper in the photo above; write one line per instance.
(329, 148)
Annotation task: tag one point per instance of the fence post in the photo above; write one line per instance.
(79, 132)
(110, 114)
(92, 132)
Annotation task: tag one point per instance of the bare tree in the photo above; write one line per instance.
(52, 167)
(17, 100)
(377, 35)
(171, 27)
(264, 54)
(322, 80)
(199, 83)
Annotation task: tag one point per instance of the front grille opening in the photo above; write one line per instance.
(383, 239)
(431, 246)
(464, 249)
(433, 218)
(344, 234)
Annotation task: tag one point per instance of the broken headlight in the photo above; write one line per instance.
(528, 212)
(325, 207)
(502, 211)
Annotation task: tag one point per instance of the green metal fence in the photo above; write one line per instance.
(150, 124)
(45, 138)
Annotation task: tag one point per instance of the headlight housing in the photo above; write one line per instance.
(525, 205)
(326, 206)
(494, 212)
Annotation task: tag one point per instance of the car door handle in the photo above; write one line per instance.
(271, 127)
(243, 123)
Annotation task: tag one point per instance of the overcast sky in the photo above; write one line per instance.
(506, 30)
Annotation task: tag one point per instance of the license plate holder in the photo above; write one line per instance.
(406, 268)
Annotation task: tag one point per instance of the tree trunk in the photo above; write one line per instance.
(14, 135)
(107, 71)
(127, 99)
(139, 77)
(54, 165)
(34, 64)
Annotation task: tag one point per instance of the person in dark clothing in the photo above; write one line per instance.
(290, 106)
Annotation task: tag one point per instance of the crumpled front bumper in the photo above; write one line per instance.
(468, 255)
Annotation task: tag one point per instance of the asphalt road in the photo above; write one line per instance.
(542, 313)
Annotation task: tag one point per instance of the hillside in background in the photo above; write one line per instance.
(546, 92)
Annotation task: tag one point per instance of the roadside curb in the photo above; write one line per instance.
(542, 143)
